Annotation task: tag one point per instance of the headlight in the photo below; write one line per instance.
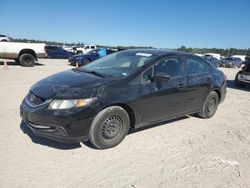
(240, 77)
(70, 103)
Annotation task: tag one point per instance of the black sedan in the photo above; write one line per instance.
(126, 90)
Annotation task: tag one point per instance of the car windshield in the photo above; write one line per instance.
(119, 64)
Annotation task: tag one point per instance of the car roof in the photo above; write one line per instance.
(159, 52)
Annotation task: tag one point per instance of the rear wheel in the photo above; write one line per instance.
(210, 105)
(27, 60)
(109, 127)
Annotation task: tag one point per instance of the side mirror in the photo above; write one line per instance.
(160, 77)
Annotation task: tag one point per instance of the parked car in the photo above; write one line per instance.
(68, 48)
(24, 53)
(242, 78)
(83, 59)
(57, 52)
(4, 38)
(128, 89)
(231, 62)
(215, 62)
(84, 49)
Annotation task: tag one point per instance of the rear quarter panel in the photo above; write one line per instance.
(219, 82)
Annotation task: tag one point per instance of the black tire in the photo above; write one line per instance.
(86, 61)
(27, 60)
(109, 127)
(79, 52)
(210, 105)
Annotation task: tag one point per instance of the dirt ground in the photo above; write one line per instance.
(188, 152)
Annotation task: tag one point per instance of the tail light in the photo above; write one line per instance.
(46, 49)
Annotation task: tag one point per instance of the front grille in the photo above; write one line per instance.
(35, 100)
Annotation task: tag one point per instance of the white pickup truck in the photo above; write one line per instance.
(84, 49)
(24, 53)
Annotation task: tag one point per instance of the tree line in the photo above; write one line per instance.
(221, 51)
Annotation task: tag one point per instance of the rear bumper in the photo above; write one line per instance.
(41, 55)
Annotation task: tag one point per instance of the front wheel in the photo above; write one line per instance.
(210, 105)
(109, 127)
(86, 61)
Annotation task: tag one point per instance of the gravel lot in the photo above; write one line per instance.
(189, 152)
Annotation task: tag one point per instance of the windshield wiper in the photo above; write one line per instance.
(94, 73)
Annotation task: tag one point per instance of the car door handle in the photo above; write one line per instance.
(180, 86)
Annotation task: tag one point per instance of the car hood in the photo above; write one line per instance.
(70, 84)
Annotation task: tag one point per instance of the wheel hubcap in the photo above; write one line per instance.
(27, 61)
(111, 127)
(211, 105)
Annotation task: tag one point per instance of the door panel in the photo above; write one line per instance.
(161, 100)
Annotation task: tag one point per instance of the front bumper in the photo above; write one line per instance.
(66, 126)
(243, 78)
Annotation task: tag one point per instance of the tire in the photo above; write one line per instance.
(79, 52)
(109, 127)
(27, 60)
(210, 105)
(86, 61)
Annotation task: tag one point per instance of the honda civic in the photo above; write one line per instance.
(130, 89)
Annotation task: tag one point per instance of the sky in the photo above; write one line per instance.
(157, 23)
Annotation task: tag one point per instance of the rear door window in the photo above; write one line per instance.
(196, 66)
